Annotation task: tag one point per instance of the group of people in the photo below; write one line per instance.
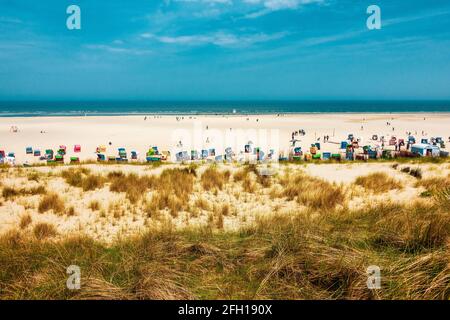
(299, 132)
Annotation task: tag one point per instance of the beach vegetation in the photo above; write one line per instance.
(212, 178)
(53, 202)
(378, 182)
(44, 230)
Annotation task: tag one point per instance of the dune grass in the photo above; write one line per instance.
(81, 177)
(53, 202)
(319, 250)
(25, 220)
(212, 178)
(278, 257)
(378, 182)
(11, 193)
(312, 192)
(44, 230)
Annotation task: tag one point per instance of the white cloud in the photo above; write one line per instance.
(269, 6)
(222, 39)
(116, 49)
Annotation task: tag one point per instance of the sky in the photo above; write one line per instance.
(224, 50)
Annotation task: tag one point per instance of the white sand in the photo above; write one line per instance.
(133, 133)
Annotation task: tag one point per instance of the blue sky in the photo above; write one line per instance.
(224, 50)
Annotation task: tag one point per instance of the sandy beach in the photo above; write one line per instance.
(227, 213)
(197, 132)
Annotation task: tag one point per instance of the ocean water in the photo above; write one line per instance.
(97, 108)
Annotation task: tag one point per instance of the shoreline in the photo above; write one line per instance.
(279, 114)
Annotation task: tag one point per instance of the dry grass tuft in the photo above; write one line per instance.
(82, 178)
(25, 220)
(44, 230)
(172, 190)
(434, 185)
(411, 228)
(10, 193)
(94, 205)
(202, 204)
(378, 182)
(212, 178)
(312, 192)
(51, 202)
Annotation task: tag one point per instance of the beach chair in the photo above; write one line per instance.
(344, 145)
(101, 157)
(212, 152)
(393, 141)
(194, 155)
(296, 154)
(122, 153)
(182, 156)
(77, 148)
(37, 153)
(204, 154)
(62, 150)
(49, 154)
(362, 156)
(9, 160)
(134, 155)
(349, 156)
(29, 150)
(247, 148)
(260, 155)
(424, 141)
(326, 155)
(11, 155)
(372, 154)
(2, 154)
(335, 156)
(100, 149)
(165, 155)
(74, 160)
(218, 158)
(411, 140)
(155, 150)
(154, 158)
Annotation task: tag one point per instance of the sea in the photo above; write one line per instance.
(117, 108)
